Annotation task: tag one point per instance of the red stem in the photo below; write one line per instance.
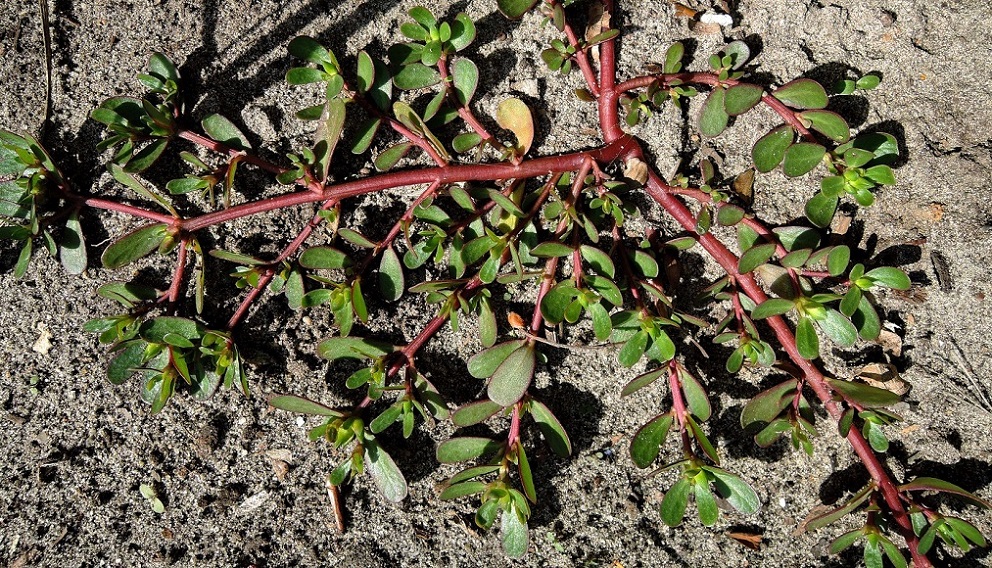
(450, 174)
(177, 277)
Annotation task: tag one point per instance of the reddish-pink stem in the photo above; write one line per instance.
(108, 205)
(177, 277)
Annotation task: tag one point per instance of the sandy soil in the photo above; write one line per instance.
(77, 449)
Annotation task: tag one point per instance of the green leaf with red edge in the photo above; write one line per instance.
(475, 413)
(741, 98)
(134, 245)
(802, 94)
(126, 362)
(828, 123)
(820, 209)
(642, 381)
(695, 396)
(387, 477)
(807, 342)
(554, 433)
(392, 155)
(735, 490)
(801, 158)
(769, 150)
(646, 443)
(353, 348)
(415, 76)
(465, 449)
(391, 279)
(514, 531)
(674, 503)
(325, 258)
(706, 506)
(704, 443)
(526, 477)
(823, 519)
(224, 131)
(511, 379)
(328, 134)
(865, 395)
(769, 404)
(755, 257)
(713, 118)
(941, 486)
(473, 472)
(515, 9)
(772, 307)
(456, 490)
(465, 78)
(482, 365)
(300, 405)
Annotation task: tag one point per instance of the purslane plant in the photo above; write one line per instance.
(492, 218)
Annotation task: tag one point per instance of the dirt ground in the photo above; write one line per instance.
(76, 449)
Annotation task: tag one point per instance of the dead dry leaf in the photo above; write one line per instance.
(884, 376)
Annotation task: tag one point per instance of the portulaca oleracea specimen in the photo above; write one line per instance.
(494, 217)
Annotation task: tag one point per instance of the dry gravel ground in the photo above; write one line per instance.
(76, 449)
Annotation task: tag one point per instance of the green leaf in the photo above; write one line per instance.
(147, 156)
(515, 9)
(328, 135)
(126, 362)
(475, 413)
(416, 76)
(820, 209)
(390, 156)
(755, 257)
(866, 319)
(391, 280)
(605, 287)
(741, 98)
(551, 428)
(324, 258)
(465, 142)
(889, 277)
(844, 541)
(801, 158)
(839, 329)
(713, 118)
(482, 365)
(828, 123)
(824, 519)
(304, 76)
(302, 405)
(352, 348)
(802, 94)
(462, 32)
(769, 150)
(514, 528)
(696, 397)
(867, 396)
(729, 215)
(72, 248)
(155, 330)
(134, 245)
(387, 477)
(646, 263)
(307, 48)
(838, 259)
(806, 340)
(642, 381)
(186, 185)
(473, 472)
(130, 181)
(160, 65)
(767, 405)
(511, 379)
(526, 477)
(599, 260)
(705, 502)
(514, 115)
(223, 130)
(457, 490)
(551, 249)
(674, 503)
(881, 174)
(465, 77)
(647, 441)
(633, 349)
(939, 485)
(673, 58)
(465, 448)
